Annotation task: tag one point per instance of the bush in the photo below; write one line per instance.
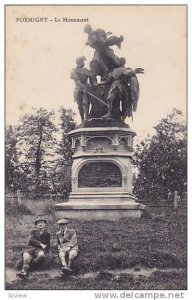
(43, 207)
(17, 209)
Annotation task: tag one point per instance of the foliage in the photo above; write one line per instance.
(62, 171)
(162, 160)
(67, 124)
(38, 153)
(36, 140)
(16, 209)
(11, 159)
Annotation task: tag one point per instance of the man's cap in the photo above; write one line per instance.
(80, 60)
(63, 221)
(40, 219)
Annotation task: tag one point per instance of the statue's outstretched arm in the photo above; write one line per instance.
(139, 71)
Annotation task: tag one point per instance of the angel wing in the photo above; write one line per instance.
(134, 87)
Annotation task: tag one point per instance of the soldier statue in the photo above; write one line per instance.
(124, 87)
(81, 76)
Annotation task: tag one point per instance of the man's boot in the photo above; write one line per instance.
(69, 265)
(64, 267)
(24, 274)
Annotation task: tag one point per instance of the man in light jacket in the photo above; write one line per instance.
(67, 245)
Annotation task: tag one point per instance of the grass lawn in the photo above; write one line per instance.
(129, 254)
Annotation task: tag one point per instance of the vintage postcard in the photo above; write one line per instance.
(96, 149)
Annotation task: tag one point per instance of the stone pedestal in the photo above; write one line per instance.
(101, 174)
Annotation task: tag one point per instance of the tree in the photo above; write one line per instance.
(62, 171)
(11, 159)
(36, 142)
(162, 160)
(39, 155)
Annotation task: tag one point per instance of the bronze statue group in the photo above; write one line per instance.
(117, 92)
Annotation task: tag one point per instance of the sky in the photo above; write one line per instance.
(40, 57)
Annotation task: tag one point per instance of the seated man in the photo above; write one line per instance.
(39, 242)
(67, 245)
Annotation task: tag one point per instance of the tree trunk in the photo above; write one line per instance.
(38, 155)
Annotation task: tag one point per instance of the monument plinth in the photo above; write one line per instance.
(103, 143)
(101, 174)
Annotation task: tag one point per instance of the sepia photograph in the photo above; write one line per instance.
(96, 148)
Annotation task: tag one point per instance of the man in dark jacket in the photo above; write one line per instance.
(67, 245)
(39, 242)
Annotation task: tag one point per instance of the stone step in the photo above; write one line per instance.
(101, 193)
(99, 205)
(97, 210)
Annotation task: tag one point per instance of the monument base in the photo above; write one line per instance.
(100, 210)
(101, 173)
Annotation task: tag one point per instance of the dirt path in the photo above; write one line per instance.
(10, 274)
